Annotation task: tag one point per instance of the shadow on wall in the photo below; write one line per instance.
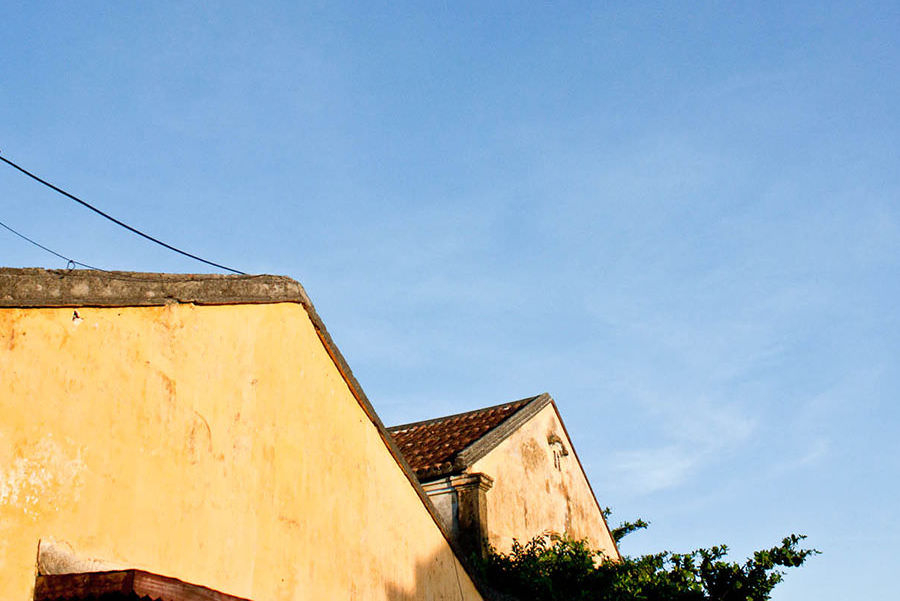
(431, 583)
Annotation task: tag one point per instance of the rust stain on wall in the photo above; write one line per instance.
(532, 454)
(199, 439)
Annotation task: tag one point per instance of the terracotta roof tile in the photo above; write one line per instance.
(431, 447)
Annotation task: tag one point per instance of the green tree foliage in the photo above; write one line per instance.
(564, 569)
(625, 528)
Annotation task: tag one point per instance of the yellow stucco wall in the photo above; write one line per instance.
(531, 496)
(215, 444)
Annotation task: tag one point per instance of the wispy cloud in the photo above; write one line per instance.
(648, 470)
(816, 451)
(695, 435)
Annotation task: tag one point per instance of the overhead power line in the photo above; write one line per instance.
(52, 252)
(116, 221)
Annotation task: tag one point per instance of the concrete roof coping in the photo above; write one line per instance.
(35, 287)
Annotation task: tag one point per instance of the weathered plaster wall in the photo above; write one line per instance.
(532, 496)
(216, 444)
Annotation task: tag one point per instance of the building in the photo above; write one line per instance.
(505, 472)
(197, 432)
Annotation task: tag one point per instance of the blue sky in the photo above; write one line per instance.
(681, 221)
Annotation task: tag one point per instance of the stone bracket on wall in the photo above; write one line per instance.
(461, 503)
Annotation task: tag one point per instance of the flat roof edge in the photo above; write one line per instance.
(35, 287)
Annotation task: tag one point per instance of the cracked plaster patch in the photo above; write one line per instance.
(46, 476)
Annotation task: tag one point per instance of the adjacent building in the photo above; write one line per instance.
(503, 473)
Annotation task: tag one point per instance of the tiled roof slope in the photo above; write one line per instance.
(432, 447)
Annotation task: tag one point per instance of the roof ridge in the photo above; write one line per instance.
(434, 420)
